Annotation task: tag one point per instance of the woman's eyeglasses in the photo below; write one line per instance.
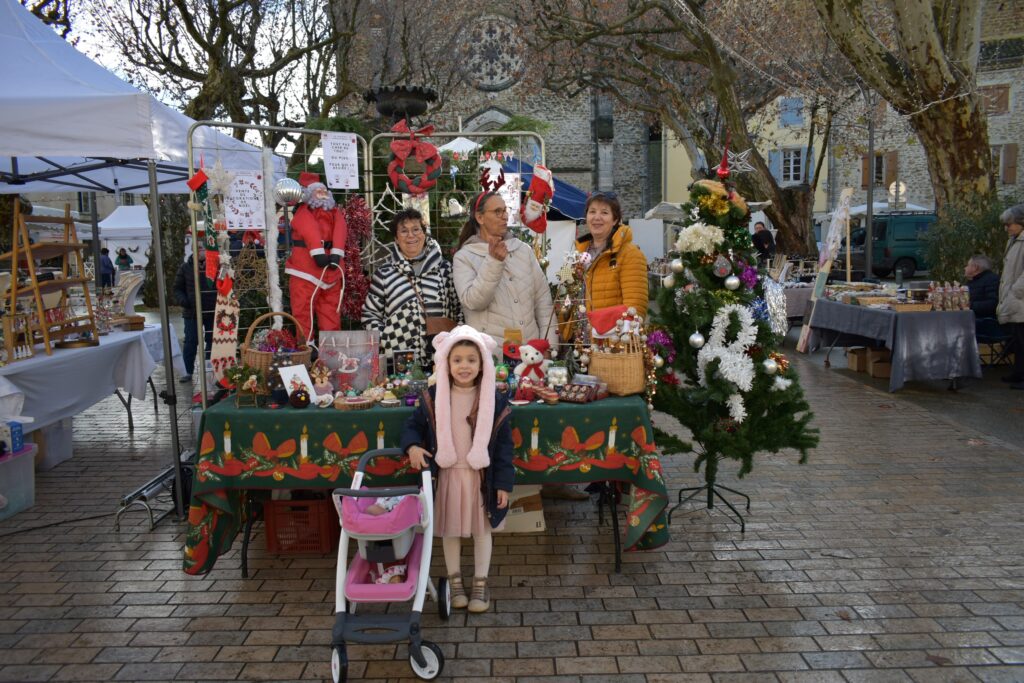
(410, 232)
(503, 211)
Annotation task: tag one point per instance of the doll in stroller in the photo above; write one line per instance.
(393, 529)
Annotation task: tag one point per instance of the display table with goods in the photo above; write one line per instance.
(53, 389)
(924, 344)
(247, 450)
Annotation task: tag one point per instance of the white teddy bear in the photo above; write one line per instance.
(533, 365)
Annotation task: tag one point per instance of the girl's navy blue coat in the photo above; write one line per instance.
(498, 476)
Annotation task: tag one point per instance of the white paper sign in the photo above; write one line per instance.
(243, 205)
(341, 161)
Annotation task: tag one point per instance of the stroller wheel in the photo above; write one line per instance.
(444, 599)
(434, 658)
(339, 664)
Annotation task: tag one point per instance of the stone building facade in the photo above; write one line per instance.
(899, 157)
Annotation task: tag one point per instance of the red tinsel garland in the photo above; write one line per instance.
(360, 224)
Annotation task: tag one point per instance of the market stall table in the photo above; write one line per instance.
(53, 389)
(930, 345)
(247, 448)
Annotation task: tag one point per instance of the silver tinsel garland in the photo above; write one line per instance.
(775, 297)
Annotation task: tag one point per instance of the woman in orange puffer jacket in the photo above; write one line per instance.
(617, 273)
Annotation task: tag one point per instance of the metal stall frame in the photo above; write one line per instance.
(366, 179)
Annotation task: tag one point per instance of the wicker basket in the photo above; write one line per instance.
(261, 359)
(623, 372)
(912, 307)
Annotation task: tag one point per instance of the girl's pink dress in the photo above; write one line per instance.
(459, 505)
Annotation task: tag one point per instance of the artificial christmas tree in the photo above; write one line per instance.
(718, 369)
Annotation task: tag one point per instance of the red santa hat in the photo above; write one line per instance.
(307, 178)
(541, 345)
(602, 320)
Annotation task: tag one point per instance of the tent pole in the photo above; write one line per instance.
(170, 397)
(97, 275)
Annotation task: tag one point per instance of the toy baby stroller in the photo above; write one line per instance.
(402, 534)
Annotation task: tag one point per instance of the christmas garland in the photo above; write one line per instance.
(424, 152)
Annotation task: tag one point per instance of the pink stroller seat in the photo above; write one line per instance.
(356, 520)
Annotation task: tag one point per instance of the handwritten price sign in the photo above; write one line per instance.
(243, 205)
(341, 161)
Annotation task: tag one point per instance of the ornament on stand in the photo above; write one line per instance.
(697, 340)
(732, 282)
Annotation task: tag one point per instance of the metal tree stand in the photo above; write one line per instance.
(712, 489)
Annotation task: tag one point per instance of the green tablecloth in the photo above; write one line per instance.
(259, 448)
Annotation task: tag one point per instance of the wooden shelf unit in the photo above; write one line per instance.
(24, 254)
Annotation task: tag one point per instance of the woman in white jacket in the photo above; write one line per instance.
(1010, 309)
(498, 279)
(502, 287)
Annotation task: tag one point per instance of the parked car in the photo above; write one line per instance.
(898, 244)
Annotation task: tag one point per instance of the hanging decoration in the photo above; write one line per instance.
(542, 189)
(423, 152)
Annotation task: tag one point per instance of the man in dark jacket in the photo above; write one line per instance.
(185, 296)
(983, 285)
(763, 242)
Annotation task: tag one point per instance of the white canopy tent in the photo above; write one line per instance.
(68, 124)
(460, 145)
(127, 222)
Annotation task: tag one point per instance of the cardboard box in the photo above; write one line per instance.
(880, 369)
(879, 355)
(525, 511)
(857, 359)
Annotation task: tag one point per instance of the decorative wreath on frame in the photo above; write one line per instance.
(227, 321)
(424, 152)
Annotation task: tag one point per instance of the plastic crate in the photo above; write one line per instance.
(296, 527)
(18, 481)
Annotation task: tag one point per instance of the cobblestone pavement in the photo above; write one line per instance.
(895, 554)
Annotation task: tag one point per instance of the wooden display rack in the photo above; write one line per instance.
(24, 255)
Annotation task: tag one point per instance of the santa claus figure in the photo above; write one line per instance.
(318, 244)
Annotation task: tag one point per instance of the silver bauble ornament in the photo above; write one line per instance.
(770, 366)
(576, 353)
(732, 282)
(585, 359)
(287, 192)
(677, 265)
(658, 361)
(631, 311)
(582, 308)
(544, 262)
(696, 340)
(668, 281)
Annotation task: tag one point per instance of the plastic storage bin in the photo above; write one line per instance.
(296, 527)
(18, 481)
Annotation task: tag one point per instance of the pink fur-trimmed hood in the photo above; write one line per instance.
(478, 457)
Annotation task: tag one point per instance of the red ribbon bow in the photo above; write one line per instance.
(571, 441)
(403, 148)
(358, 444)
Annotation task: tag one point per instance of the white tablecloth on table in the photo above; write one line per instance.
(50, 388)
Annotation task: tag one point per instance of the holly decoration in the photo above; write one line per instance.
(424, 152)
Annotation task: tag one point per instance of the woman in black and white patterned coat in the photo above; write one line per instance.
(413, 281)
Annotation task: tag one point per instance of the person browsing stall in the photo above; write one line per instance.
(617, 273)
(462, 430)
(184, 291)
(1010, 309)
(983, 286)
(498, 279)
(123, 260)
(411, 293)
(107, 268)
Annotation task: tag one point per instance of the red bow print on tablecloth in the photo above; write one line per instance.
(640, 438)
(571, 441)
(357, 444)
(261, 447)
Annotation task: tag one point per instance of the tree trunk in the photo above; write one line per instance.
(790, 213)
(954, 135)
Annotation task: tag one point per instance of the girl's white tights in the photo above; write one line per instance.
(482, 547)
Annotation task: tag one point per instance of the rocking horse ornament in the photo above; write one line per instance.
(317, 281)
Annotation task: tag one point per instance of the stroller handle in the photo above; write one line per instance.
(378, 493)
(379, 452)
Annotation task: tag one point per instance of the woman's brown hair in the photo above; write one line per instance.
(472, 225)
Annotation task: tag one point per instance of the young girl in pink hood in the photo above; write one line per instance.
(462, 430)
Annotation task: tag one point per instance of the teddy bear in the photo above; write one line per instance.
(533, 366)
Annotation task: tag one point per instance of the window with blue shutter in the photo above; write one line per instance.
(775, 164)
(791, 112)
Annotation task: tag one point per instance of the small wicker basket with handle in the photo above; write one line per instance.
(262, 359)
